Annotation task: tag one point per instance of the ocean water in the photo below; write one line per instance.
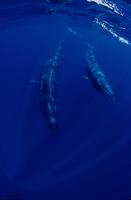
(89, 157)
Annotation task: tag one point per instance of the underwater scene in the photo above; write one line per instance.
(65, 100)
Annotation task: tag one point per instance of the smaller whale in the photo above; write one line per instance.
(96, 76)
(93, 70)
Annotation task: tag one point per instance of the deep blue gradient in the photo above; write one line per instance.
(90, 157)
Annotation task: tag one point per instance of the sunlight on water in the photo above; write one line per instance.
(109, 5)
(104, 26)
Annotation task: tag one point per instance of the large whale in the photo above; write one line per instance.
(49, 89)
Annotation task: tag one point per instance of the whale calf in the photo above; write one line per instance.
(49, 89)
(96, 76)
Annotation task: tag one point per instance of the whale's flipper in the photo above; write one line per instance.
(33, 81)
(85, 77)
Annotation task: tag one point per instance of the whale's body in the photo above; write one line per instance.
(96, 75)
(48, 89)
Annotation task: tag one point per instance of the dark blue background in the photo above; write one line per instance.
(90, 158)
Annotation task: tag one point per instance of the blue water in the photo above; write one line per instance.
(90, 157)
